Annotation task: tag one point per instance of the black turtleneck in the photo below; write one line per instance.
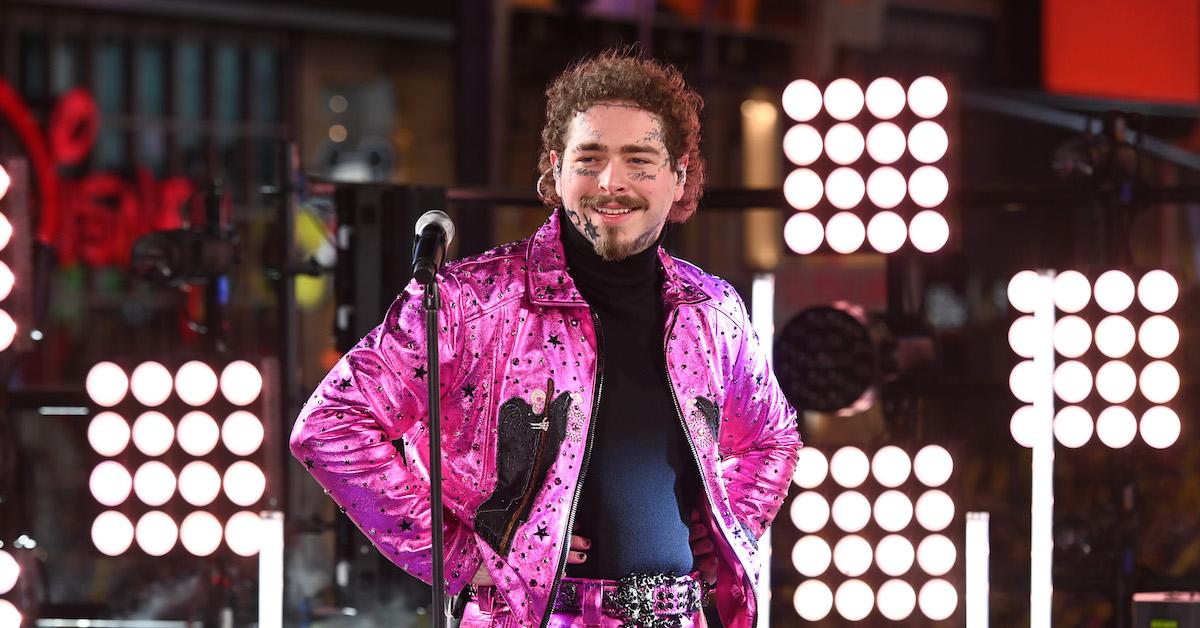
(640, 480)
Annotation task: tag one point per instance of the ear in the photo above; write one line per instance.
(680, 177)
(555, 168)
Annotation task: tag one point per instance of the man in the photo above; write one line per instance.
(614, 442)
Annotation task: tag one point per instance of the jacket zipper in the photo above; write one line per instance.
(696, 458)
(587, 454)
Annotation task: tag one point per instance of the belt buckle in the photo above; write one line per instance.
(634, 599)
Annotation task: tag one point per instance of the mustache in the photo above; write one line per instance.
(632, 202)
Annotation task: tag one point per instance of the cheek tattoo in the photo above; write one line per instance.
(643, 176)
(585, 172)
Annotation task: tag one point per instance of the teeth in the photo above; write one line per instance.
(613, 212)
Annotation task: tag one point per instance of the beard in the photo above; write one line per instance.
(606, 239)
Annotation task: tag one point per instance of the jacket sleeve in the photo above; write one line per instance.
(760, 442)
(350, 436)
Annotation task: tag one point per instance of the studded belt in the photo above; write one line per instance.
(646, 600)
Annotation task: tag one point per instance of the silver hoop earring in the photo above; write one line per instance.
(537, 187)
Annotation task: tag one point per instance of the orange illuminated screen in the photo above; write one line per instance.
(1126, 49)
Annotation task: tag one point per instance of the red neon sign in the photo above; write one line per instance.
(94, 219)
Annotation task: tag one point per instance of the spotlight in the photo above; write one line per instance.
(1116, 426)
(936, 555)
(891, 466)
(1072, 336)
(927, 97)
(896, 600)
(244, 483)
(811, 468)
(1025, 336)
(845, 233)
(199, 483)
(154, 483)
(887, 232)
(811, 556)
(7, 279)
(845, 188)
(242, 533)
(854, 600)
(156, 533)
(1073, 427)
(935, 510)
(851, 511)
(938, 599)
(825, 360)
(110, 483)
(1114, 291)
(1159, 382)
(885, 143)
(1023, 426)
(112, 533)
(810, 512)
(802, 100)
(1160, 427)
(106, 384)
(803, 189)
(1158, 336)
(1115, 381)
(241, 383)
(894, 555)
(9, 572)
(1072, 381)
(927, 141)
(196, 383)
(1023, 381)
(893, 511)
(200, 533)
(1025, 291)
(1072, 292)
(108, 434)
(886, 189)
(813, 600)
(852, 556)
(242, 433)
(1115, 336)
(843, 99)
(929, 231)
(197, 433)
(1158, 291)
(151, 383)
(844, 144)
(153, 433)
(885, 98)
(802, 144)
(849, 467)
(803, 233)
(928, 187)
(9, 615)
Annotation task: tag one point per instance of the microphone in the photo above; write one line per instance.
(434, 233)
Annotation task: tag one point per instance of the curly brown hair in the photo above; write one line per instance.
(620, 75)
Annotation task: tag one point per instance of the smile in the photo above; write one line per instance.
(613, 211)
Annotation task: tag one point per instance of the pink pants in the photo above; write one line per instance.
(488, 610)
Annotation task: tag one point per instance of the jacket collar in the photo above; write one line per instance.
(549, 283)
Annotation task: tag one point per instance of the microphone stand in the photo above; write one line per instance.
(431, 302)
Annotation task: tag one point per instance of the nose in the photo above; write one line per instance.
(613, 178)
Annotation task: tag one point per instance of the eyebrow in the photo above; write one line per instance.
(628, 148)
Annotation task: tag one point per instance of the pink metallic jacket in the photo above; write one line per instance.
(522, 372)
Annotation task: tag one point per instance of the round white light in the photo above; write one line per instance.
(110, 483)
(10, 617)
(896, 600)
(242, 433)
(1116, 426)
(843, 99)
(242, 533)
(1116, 381)
(1158, 291)
(1072, 336)
(935, 510)
(1073, 427)
(5, 181)
(197, 433)
(108, 434)
(244, 483)
(851, 511)
(854, 600)
(803, 189)
(893, 511)
(6, 231)
(153, 433)
(1114, 291)
(8, 330)
(7, 280)
(936, 555)
(1115, 336)
(802, 144)
(156, 533)
(1025, 336)
(151, 383)
(928, 186)
(1159, 382)
(813, 600)
(885, 143)
(938, 599)
(933, 465)
(844, 143)
(928, 231)
(1026, 290)
(927, 97)
(154, 483)
(845, 188)
(852, 556)
(891, 466)
(894, 555)
(241, 383)
(1023, 426)
(1158, 336)
(811, 556)
(887, 232)
(196, 383)
(811, 468)
(809, 511)
(886, 188)
(803, 233)
(1023, 381)
(106, 384)
(9, 572)
(112, 533)
(1072, 291)
(885, 98)
(199, 483)
(200, 533)
(845, 232)
(1072, 381)
(1160, 427)
(927, 141)
(849, 467)
(802, 100)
